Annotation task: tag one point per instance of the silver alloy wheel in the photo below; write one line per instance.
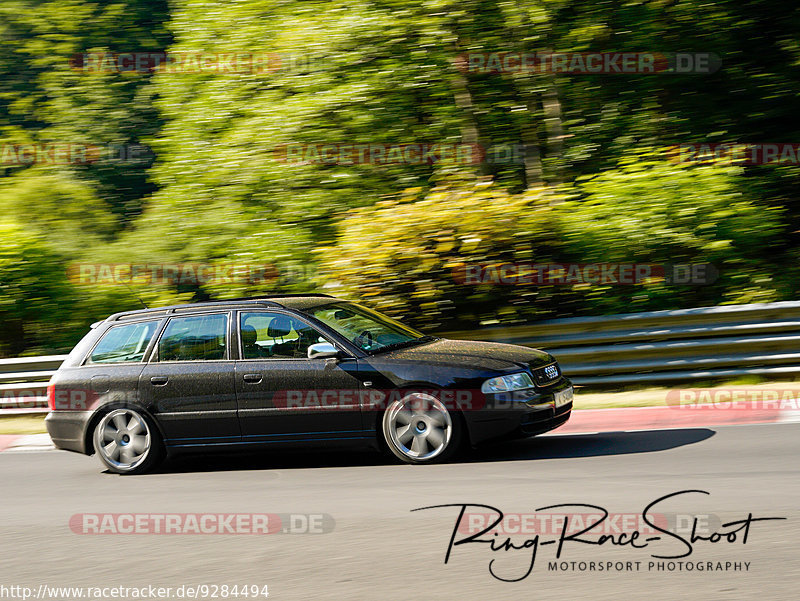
(123, 439)
(418, 426)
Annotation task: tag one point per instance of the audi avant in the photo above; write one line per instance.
(292, 371)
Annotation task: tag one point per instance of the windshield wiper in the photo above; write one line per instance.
(396, 345)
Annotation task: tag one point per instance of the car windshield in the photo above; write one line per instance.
(367, 329)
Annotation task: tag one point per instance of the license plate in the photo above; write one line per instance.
(562, 397)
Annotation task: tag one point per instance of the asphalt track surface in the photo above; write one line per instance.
(379, 549)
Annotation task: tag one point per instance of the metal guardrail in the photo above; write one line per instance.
(23, 382)
(656, 347)
(661, 347)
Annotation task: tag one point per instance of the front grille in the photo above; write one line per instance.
(549, 374)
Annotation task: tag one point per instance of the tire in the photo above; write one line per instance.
(127, 441)
(418, 428)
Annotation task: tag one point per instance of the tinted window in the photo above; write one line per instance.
(367, 329)
(276, 335)
(124, 343)
(196, 338)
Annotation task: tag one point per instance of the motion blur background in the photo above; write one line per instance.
(192, 168)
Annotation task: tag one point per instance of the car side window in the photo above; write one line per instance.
(267, 335)
(124, 344)
(194, 338)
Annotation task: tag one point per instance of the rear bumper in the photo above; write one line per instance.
(67, 429)
(519, 419)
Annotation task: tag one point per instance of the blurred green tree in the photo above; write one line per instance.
(223, 189)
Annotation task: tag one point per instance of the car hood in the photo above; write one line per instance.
(467, 353)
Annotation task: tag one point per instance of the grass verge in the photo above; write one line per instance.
(23, 424)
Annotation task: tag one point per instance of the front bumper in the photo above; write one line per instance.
(501, 418)
(68, 429)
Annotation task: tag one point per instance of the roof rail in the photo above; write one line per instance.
(264, 300)
(171, 309)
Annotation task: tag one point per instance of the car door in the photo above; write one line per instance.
(285, 396)
(189, 381)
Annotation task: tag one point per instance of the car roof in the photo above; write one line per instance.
(280, 301)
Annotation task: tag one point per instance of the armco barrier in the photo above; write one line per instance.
(656, 347)
(660, 347)
(23, 382)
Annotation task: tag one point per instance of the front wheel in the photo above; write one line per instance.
(126, 442)
(419, 429)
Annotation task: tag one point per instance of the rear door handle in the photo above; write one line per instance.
(159, 380)
(252, 378)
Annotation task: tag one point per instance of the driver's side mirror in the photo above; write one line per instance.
(322, 350)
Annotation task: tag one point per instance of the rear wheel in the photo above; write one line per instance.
(126, 442)
(419, 429)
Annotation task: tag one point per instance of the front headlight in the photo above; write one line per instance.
(507, 383)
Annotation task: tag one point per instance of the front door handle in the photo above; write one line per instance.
(252, 378)
(159, 380)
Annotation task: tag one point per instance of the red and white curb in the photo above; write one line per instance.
(635, 419)
(26, 443)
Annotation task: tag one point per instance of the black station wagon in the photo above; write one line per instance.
(292, 371)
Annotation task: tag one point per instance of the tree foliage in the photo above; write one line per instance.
(592, 185)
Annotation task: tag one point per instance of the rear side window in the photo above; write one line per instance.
(196, 338)
(124, 344)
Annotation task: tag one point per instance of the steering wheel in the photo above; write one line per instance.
(365, 336)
